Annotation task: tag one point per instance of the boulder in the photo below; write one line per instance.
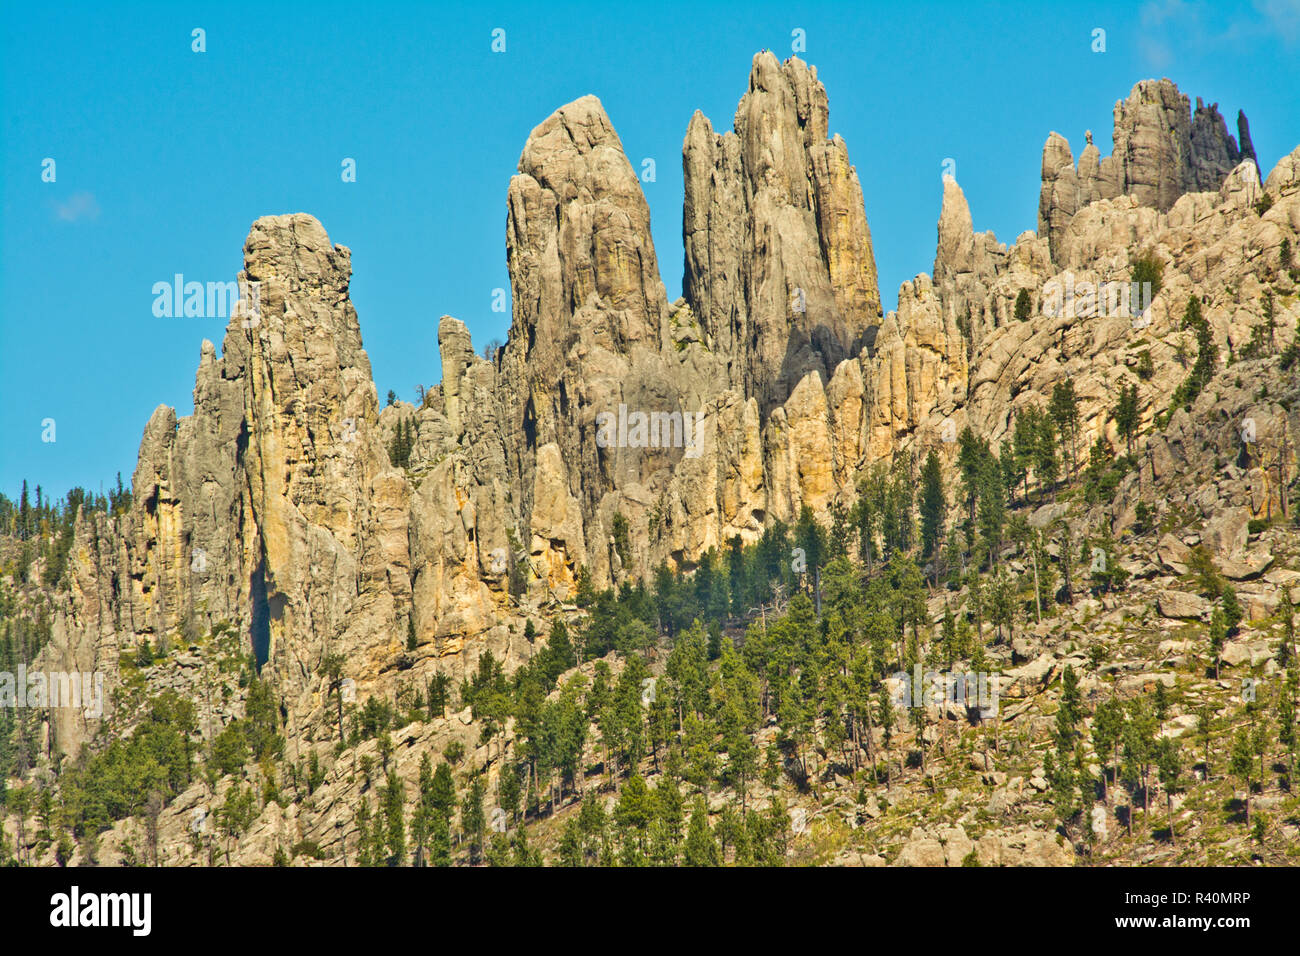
(1181, 604)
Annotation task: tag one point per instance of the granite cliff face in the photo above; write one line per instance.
(274, 505)
(733, 378)
(773, 384)
(779, 267)
(1161, 151)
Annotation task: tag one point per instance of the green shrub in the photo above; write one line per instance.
(1024, 306)
(1147, 267)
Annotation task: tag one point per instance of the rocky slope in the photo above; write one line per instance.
(275, 506)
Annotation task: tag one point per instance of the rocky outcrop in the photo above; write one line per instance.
(1153, 148)
(1214, 150)
(273, 521)
(950, 846)
(1161, 151)
(772, 385)
(779, 265)
(274, 504)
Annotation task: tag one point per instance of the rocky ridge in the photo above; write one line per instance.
(276, 506)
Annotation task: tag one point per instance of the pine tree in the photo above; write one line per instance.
(24, 514)
(1126, 415)
(439, 841)
(971, 452)
(395, 832)
(473, 822)
(992, 514)
(1204, 733)
(1025, 442)
(933, 505)
(1070, 710)
(886, 707)
(332, 666)
(1161, 701)
(1242, 764)
(701, 847)
(1169, 767)
(364, 843)
(1107, 728)
(1232, 610)
(1218, 634)
(422, 816)
(1047, 466)
(1207, 355)
(1139, 736)
(1064, 409)
(1024, 306)
(1286, 721)
(439, 695)
(951, 648)
(1287, 653)
(633, 814)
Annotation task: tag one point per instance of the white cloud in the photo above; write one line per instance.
(1169, 29)
(1283, 18)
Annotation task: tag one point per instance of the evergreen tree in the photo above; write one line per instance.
(633, 815)
(1286, 720)
(439, 841)
(933, 505)
(701, 847)
(1047, 466)
(1127, 416)
(1070, 710)
(1241, 764)
(473, 822)
(1064, 409)
(1204, 733)
(332, 666)
(1217, 636)
(1139, 737)
(364, 842)
(1232, 610)
(886, 709)
(1207, 355)
(1025, 442)
(393, 799)
(1169, 767)
(1024, 306)
(1107, 728)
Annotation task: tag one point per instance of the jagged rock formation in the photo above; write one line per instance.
(1243, 138)
(275, 506)
(779, 266)
(1161, 152)
(739, 377)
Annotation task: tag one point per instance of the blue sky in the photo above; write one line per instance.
(164, 156)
